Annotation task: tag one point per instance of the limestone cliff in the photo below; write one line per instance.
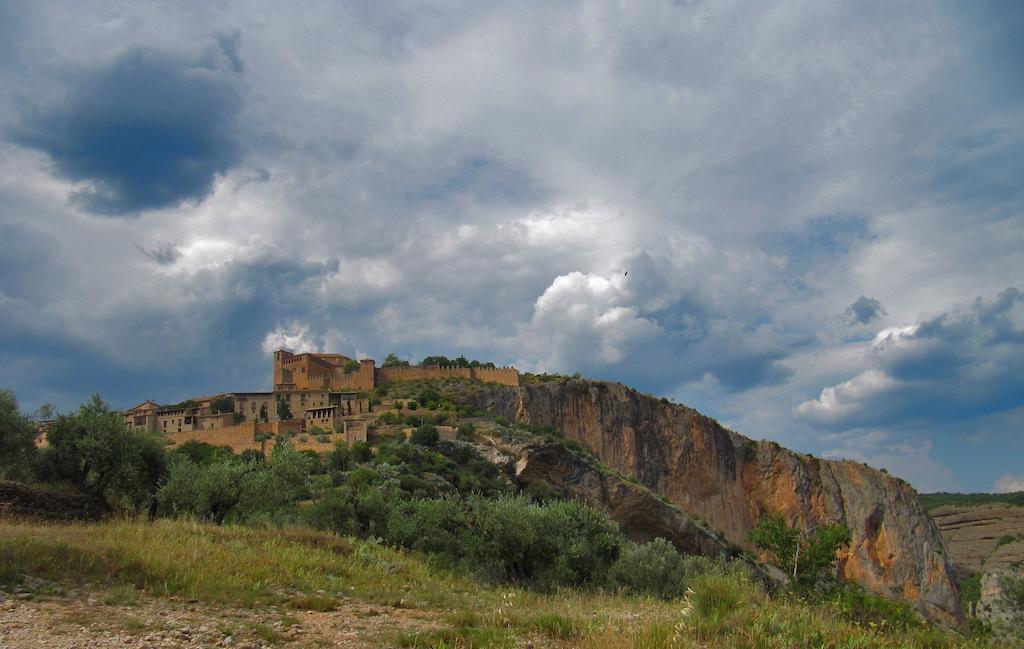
(730, 480)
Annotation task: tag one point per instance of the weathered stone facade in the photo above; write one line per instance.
(319, 390)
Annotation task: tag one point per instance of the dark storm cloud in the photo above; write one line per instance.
(27, 267)
(864, 310)
(149, 131)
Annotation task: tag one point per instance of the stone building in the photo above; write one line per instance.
(328, 391)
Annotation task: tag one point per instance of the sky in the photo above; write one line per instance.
(804, 219)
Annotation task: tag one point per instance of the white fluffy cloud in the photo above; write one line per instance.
(961, 364)
(294, 337)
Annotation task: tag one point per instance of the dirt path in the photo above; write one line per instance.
(86, 623)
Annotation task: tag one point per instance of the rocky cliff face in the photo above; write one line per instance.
(641, 515)
(982, 537)
(730, 480)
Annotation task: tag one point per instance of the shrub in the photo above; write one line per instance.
(235, 491)
(94, 450)
(869, 610)
(411, 405)
(425, 435)
(560, 543)
(466, 431)
(251, 455)
(207, 492)
(361, 452)
(203, 453)
(653, 568)
(359, 507)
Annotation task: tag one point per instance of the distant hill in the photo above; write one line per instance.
(943, 498)
(982, 531)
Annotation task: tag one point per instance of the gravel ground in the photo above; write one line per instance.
(83, 622)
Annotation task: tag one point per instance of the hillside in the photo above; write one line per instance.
(982, 532)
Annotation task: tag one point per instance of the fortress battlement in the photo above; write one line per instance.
(312, 371)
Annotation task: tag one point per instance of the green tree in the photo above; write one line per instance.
(94, 450)
(339, 459)
(435, 360)
(17, 438)
(807, 556)
(393, 361)
(351, 366)
(284, 411)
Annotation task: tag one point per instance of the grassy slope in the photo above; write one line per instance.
(254, 568)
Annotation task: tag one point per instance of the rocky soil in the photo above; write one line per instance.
(973, 533)
(730, 480)
(84, 622)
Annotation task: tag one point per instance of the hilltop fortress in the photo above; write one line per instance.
(336, 372)
(323, 394)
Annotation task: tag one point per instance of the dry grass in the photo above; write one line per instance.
(310, 570)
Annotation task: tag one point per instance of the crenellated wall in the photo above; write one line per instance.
(413, 373)
(500, 375)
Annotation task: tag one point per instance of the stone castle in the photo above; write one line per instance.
(326, 393)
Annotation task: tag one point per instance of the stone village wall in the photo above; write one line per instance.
(243, 436)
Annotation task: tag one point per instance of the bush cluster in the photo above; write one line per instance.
(559, 543)
(234, 489)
